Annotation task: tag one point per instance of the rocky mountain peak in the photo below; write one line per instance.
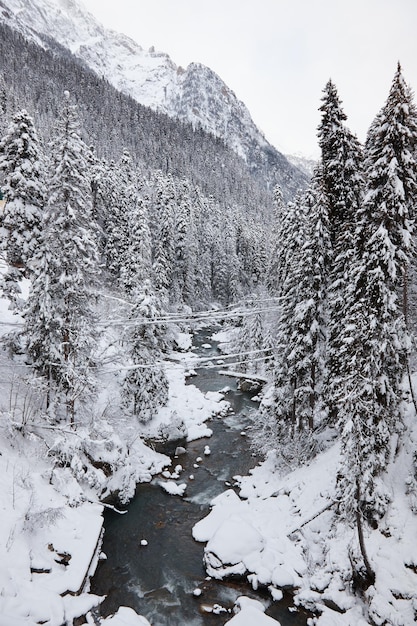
(196, 94)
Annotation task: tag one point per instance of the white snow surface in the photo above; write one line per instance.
(173, 488)
(283, 533)
(51, 515)
(250, 616)
(126, 616)
(38, 530)
(187, 404)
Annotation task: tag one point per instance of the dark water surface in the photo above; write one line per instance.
(158, 579)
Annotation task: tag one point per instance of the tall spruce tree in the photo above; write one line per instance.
(374, 337)
(145, 388)
(136, 266)
(343, 185)
(190, 250)
(309, 328)
(391, 165)
(164, 209)
(276, 261)
(294, 410)
(122, 189)
(21, 162)
(58, 316)
(279, 414)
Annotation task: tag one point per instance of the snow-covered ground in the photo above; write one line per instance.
(283, 533)
(53, 479)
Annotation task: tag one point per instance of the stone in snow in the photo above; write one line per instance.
(250, 616)
(251, 612)
(173, 488)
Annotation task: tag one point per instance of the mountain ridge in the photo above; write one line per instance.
(195, 95)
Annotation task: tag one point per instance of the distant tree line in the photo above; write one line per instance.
(70, 216)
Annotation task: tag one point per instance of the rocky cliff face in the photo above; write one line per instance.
(195, 94)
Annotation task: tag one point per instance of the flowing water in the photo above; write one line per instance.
(158, 579)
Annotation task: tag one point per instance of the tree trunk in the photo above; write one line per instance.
(405, 313)
(405, 295)
(71, 411)
(312, 397)
(294, 407)
(370, 574)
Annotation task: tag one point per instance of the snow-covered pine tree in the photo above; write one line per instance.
(219, 266)
(276, 269)
(391, 166)
(190, 258)
(23, 187)
(283, 245)
(301, 337)
(343, 184)
(163, 211)
(58, 317)
(254, 262)
(121, 186)
(233, 277)
(242, 342)
(104, 180)
(308, 339)
(205, 240)
(375, 339)
(182, 225)
(136, 265)
(253, 334)
(4, 105)
(145, 387)
(278, 425)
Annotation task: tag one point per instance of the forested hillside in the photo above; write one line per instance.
(35, 78)
(121, 224)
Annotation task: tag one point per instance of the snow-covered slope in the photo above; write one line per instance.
(305, 164)
(195, 94)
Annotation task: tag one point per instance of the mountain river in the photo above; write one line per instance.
(158, 580)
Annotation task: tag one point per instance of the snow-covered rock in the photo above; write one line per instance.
(173, 488)
(125, 616)
(250, 616)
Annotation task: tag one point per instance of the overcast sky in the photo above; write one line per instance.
(277, 55)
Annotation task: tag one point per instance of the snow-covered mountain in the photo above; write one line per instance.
(305, 164)
(195, 94)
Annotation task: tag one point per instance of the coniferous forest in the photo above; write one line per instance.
(122, 228)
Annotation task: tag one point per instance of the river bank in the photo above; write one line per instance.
(153, 563)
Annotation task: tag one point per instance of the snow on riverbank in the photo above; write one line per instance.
(187, 407)
(46, 547)
(53, 477)
(283, 532)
